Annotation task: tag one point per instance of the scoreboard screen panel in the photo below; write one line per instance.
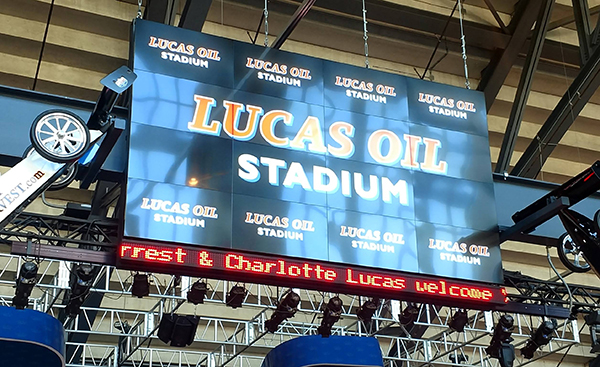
(268, 161)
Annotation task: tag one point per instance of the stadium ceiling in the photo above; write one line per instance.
(516, 37)
(508, 42)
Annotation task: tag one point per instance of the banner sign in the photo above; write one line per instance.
(253, 150)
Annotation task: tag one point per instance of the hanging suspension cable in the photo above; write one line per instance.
(139, 12)
(365, 35)
(437, 45)
(463, 44)
(266, 13)
(39, 63)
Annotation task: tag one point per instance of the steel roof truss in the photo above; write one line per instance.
(560, 119)
(582, 21)
(520, 102)
(495, 73)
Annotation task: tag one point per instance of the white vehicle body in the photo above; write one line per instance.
(27, 179)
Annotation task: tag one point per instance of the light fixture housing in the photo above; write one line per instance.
(410, 314)
(141, 285)
(197, 292)
(541, 337)
(82, 280)
(286, 308)
(178, 330)
(24, 284)
(593, 320)
(236, 296)
(366, 311)
(459, 320)
(331, 314)
(502, 335)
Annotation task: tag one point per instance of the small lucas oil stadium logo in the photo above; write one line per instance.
(445, 106)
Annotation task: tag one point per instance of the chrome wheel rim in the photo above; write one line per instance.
(60, 134)
(573, 253)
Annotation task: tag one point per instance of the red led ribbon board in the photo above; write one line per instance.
(237, 266)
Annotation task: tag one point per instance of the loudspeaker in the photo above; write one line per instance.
(165, 328)
(177, 329)
(184, 331)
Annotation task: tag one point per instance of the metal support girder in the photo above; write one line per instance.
(496, 16)
(595, 37)
(578, 188)
(294, 20)
(528, 224)
(63, 253)
(194, 14)
(518, 107)
(581, 11)
(105, 194)
(547, 293)
(562, 117)
(108, 142)
(161, 11)
(497, 70)
(392, 15)
(60, 232)
(570, 19)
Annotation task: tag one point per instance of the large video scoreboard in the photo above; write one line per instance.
(249, 163)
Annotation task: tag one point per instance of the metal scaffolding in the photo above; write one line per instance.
(221, 341)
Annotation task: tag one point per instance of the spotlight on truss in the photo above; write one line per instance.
(593, 320)
(331, 315)
(410, 314)
(286, 308)
(140, 286)
(367, 310)
(458, 358)
(197, 292)
(82, 280)
(25, 283)
(236, 296)
(122, 326)
(539, 338)
(500, 346)
(459, 320)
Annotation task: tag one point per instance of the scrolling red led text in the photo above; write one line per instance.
(192, 261)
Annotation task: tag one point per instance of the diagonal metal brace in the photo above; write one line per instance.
(536, 218)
